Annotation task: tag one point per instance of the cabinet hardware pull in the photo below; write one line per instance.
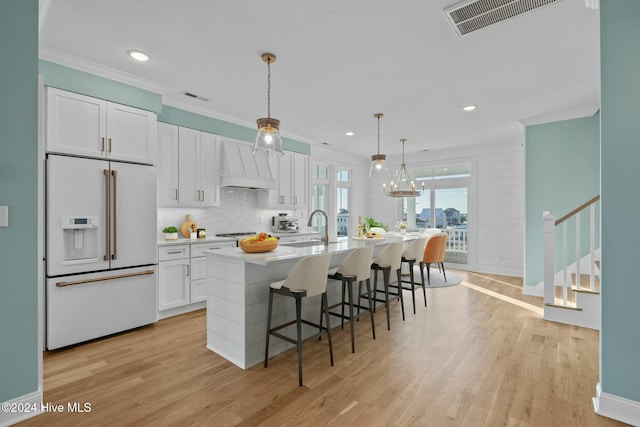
(103, 279)
(176, 194)
(188, 269)
(109, 144)
(174, 252)
(115, 215)
(203, 195)
(107, 233)
(102, 144)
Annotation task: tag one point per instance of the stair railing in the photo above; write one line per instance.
(550, 226)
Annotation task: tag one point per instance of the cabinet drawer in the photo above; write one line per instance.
(198, 250)
(173, 252)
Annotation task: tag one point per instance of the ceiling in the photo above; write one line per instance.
(340, 62)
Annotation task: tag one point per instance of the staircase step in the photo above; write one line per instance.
(585, 281)
(586, 291)
(560, 305)
(571, 296)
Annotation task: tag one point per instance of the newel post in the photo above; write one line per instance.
(549, 256)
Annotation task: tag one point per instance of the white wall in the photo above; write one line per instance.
(496, 231)
(238, 212)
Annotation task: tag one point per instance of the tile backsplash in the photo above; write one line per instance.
(238, 212)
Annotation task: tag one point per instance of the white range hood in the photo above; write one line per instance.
(240, 168)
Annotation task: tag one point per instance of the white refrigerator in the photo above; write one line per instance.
(101, 248)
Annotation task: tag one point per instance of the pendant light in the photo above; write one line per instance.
(268, 139)
(378, 165)
(403, 186)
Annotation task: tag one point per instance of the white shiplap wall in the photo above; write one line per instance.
(496, 233)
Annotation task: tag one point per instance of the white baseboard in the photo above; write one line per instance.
(534, 290)
(21, 408)
(618, 408)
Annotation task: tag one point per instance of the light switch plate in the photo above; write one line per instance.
(4, 216)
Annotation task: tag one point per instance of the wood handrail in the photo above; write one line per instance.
(578, 209)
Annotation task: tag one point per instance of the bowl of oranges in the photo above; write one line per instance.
(261, 242)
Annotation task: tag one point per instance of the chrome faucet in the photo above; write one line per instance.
(325, 239)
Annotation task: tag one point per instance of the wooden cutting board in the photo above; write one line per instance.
(187, 226)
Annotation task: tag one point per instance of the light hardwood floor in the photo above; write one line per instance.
(468, 359)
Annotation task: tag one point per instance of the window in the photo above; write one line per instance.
(331, 191)
(319, 196)
(343, 187)
(443, 204)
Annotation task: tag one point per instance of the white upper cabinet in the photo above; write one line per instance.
(90, 127)
(292, 174)
(188, 167)
(167, 164)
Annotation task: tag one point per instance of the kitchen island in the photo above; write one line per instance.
(238, 292)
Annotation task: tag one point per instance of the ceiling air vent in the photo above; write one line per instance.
(193, 95)
(474, 15)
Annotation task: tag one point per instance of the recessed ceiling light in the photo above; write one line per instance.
(138, 56)
(349, 133)
(469, 107)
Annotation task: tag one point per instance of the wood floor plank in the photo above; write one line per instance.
(468, 359)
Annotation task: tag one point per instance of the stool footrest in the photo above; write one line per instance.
(323, 331)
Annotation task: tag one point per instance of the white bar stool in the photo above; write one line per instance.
(412, 253)
(306, 279)
(389, 259)
(356, 267)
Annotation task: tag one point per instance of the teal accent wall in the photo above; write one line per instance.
(179, 117)
(66, 78)
(562, 172)
(620, 86)
(62, 77)
(19, 191)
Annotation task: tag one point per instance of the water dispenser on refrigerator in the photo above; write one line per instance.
(80, 239)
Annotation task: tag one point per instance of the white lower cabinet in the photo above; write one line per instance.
(182, 277)
(173, 276)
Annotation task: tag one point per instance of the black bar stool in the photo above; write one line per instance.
(412, 253)
(306, 279)
(389, 259)
(356, 267)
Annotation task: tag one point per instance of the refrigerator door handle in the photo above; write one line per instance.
(103, 279)
(115, 215)
(107, 233)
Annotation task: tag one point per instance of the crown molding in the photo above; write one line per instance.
(100, 70)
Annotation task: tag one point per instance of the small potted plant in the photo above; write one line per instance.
(170, 233)
(402, 226)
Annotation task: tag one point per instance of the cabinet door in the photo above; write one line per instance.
(167, 164)
(173, 284)
(285, 176)
(76, 124)
(131, 134)
(300, 180)
(198, 279)
(188, 166)
(209, 170)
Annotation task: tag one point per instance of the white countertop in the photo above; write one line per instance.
(185, 241)
(286, 253)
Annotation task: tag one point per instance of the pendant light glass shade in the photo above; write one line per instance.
(404, 185)
(268, 139)
(378, 161)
